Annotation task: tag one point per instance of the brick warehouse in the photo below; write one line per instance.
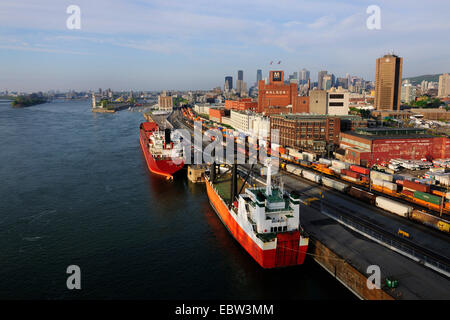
(391, 143)
(241, 105)
(277, 97)
(312, 132)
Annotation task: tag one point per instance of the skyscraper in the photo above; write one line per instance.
(388, 82)
(228, 83)
(444, 85)
(240, 82)
(304, 76)
(258, 75)
(327, 82)
(320, 79)
(240, 75)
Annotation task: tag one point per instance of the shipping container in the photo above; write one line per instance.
(340, 186)
(393, 206)
(350, 173)
(311, 176)
(377, 182)
(351, 179)
(360, 169)
(381, 176)
(325, 161)
(295, 153)
(340, 164)
(362, 195)
(408, 193)
(390, 186)
(294, 169)
(427, 197)
(309, 156)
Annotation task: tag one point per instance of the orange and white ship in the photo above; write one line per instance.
(264, 220)
(163, 155)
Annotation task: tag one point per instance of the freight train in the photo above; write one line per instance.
(381, 202)
(415, 193)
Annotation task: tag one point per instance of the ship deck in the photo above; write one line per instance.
(223, 186)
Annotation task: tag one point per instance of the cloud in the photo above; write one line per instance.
(322, 22)
(236, 32)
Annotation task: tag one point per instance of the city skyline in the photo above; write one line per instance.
(156, 45)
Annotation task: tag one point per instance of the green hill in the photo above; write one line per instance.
(426, 77)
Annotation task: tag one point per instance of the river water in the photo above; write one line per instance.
(75, 190)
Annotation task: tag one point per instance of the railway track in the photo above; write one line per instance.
(424, 254)
(376, 192)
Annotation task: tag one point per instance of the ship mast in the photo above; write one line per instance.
(269, 179)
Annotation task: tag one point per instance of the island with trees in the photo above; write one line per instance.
(28, 100)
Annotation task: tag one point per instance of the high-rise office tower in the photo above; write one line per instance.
(304, 76)
(228, 83)
(240, 75)
(388, 81)
(320, 79)
(240, 81)
(444, 85)
(258, 75)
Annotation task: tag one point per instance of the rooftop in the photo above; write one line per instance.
(313, 116)
(389, 133)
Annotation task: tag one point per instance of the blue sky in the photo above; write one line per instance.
(184, 44)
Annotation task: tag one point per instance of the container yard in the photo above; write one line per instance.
(383, 186)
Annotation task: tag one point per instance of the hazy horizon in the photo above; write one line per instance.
(179, 45)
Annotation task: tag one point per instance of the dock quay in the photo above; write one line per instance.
(347, 253)
(112, 110)
(160, 119)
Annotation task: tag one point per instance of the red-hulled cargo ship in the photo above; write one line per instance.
(163, 156)
(265, 221)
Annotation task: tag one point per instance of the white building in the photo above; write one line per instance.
(408, 93)
(248, 122)
(240, 120)
(338, 102)
(202, 108)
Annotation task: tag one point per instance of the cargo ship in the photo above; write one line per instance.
(163, 155)
(264, 220)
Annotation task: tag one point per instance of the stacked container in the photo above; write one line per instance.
(325, 161)
(340, 164)
(381, 176)
(414, 186)
(361, 170)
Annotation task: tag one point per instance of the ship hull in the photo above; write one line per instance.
(290, 247)
(166, 167)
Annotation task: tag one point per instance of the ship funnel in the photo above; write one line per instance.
(167, 136)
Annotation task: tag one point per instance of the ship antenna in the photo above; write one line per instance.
(269, 179)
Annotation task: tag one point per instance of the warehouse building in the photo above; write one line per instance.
(241, 105)
(312, 132)
(365, 146)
